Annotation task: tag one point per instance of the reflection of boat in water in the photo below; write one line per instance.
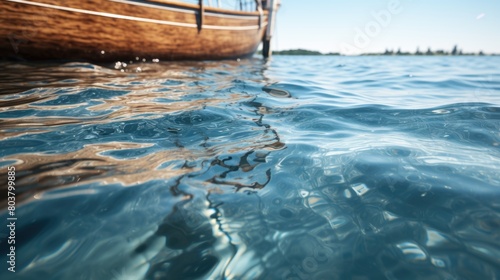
(107, 30)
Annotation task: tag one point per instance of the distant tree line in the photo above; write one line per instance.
(301, 52)
(454, 51)
(428, 52)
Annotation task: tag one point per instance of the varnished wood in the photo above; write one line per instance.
(139, 29)
(207, 8)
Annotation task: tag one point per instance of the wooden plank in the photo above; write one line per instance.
(33, 32)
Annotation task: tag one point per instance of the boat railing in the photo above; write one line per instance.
(237, 5)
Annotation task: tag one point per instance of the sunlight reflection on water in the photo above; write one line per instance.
(368, 167)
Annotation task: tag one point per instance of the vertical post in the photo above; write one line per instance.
(271, 20)
(201, 13)
(218, 3)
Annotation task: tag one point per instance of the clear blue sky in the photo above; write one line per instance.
(351, 26)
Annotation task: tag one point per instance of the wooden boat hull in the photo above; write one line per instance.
(110, 30)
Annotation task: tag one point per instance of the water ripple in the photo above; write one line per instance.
(298, 168)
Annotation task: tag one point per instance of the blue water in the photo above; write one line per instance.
(298, 168)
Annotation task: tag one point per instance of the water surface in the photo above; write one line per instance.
(298, 168)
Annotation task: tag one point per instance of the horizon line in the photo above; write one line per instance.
(388, 52)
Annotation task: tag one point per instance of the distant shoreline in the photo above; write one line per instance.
(429, 52)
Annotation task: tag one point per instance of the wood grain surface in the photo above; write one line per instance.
(45, 33)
